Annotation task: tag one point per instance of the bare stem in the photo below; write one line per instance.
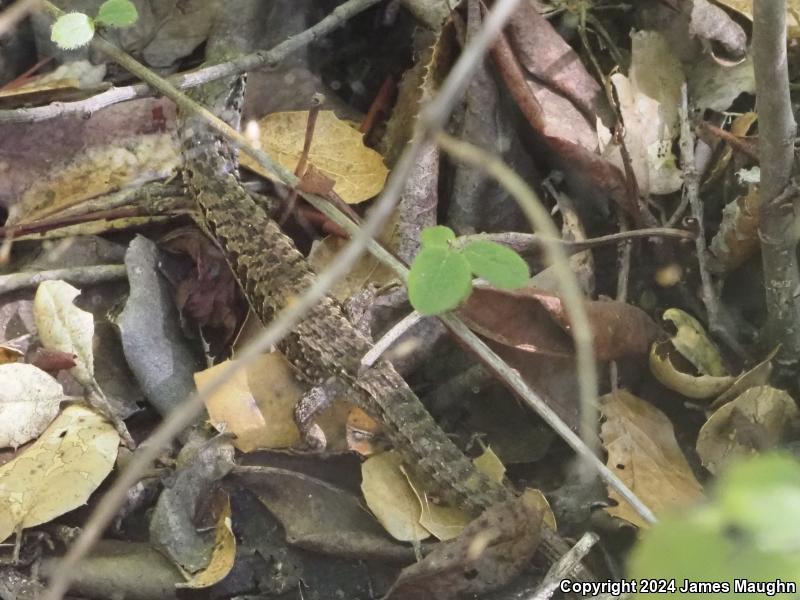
(779, 200)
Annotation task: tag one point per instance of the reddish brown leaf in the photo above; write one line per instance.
(547, 56)
(535, 321)
(209, 294)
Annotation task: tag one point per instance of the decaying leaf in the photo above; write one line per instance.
(100, 170)
(58, 472)
(648, 101)
(643, 453)
(490, 551)
(29, 401)
(337, 151)
(319, 516)
(222, 557)
(756, 420)
(65, 327)
(256, 404)
(737, 238)
(758, 375)
(694, 344)
(193, 498)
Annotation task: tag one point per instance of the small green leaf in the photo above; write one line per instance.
(117, 13)
(438, 281)
(438, 236)
(73, 30)
(500, 266)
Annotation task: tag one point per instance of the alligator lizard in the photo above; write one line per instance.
(324, 345)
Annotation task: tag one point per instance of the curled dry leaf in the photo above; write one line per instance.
(65, 327)
(58, 472)
(256, 404)
(29, 401)
(694, 344)
(643, 453)
(737, 238)
(665, 364)
(337, 151)
(756, 420)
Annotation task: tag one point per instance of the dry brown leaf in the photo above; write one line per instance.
(256, 404)
(648, 102)
(100, 170)
(644, 454)
(535, 321)
(737, 238)
(337, 151)
(58, 472)
(491, 551)
(756, 420)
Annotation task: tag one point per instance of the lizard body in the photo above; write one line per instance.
(324, 345)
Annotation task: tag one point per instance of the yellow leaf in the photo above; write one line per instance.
(337, 150)
(256, 404)
(65, 327)
(643, 453)
(390, 497)
(58, 472)
(694, 344)
(698, 387)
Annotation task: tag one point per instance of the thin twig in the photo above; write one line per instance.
(389, 338)
(717, 321)
(262, 59)
(285, 321)
(526, 243)
(76, 275)
(564, 567)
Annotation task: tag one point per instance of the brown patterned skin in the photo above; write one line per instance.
(272, 272)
